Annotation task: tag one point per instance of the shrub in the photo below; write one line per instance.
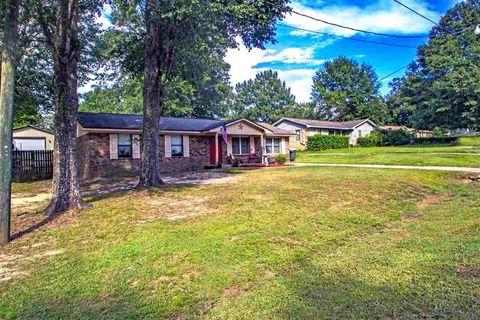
(281, 159)
(436, 140)
(397, 138)
(320, 142)
(438, 132)
(375, 139)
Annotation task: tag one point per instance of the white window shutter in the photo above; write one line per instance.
(186, 146)
(168, 146)
(229, 146)
(135, 146)
(113, 146)
(283, 148)
(252, 145)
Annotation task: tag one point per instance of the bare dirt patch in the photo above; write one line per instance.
(11, 263)
(433, 199)
(22, 204)
(163, 208)
(469, 272)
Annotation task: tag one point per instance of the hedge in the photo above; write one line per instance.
(375, 139)
(436, 140)
(320, 142)
(397, 138)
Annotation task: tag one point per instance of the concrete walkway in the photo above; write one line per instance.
(387, 166)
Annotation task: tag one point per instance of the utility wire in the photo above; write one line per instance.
(355, 29)
(416, 12)
(430, 20)
(391, 74)
(348, 38)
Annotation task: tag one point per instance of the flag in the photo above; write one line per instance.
(224, 132)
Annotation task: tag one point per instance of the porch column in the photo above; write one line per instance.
(216, 149)
(262, 146)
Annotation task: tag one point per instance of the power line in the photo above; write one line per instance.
(416, 12)
(391, 74)
(349, 38)
(355, 29)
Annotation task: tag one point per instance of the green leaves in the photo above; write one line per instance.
(345, 90)
(444, 88)
(265, 98)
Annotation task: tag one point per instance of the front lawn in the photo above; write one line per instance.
(452, 156)
(283, 243)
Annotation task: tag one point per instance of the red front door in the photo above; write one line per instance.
(212, 150)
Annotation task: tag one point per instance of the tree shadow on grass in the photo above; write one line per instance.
(318, 294)
(98, 190)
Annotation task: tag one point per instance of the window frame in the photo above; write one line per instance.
(273, 147)
(119, 155)
(298, 134)
(182, 153)
(240, 139)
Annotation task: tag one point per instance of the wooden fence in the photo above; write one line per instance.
(32, 165)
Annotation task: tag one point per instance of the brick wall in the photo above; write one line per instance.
(94, 157)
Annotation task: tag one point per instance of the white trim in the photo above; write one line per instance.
(252, 145)
(273, 145)
(168, 146)
(216, 149)
(186, 146)
(113, 146)
(229, 146)
(135, 146)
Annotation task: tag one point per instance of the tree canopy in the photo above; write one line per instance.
(345, 90)
(441, 88)
(265, 98)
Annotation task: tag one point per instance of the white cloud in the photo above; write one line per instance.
(382, 16)
(299, 81)
(243, 66)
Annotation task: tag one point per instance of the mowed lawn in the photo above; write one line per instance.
(283, 243)
(452, 156)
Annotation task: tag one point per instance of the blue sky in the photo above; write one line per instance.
(297, 55)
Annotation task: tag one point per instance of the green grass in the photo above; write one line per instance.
(286, 243)
(455, 156)
(469, 141)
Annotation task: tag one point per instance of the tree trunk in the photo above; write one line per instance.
(7, 84)
(66, 193)
(152, 106)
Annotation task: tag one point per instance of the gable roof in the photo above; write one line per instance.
(135, 122)
(275, 130)
(347, 125)
(32, 127)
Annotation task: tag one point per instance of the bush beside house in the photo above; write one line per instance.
(375, 139)
(320, 142)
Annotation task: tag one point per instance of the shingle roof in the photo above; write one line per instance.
(135, 122)
(274, 129)
(327, 124)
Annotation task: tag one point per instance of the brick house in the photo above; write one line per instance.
(303, 128)
(112, 143)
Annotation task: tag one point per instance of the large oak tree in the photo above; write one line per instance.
(182, 33)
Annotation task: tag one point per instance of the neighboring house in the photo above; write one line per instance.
(303, 128)
(417, 133)
(112, 143)
(32, 138)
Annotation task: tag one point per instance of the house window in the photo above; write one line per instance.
(240, 145)
(124, 145)
(177, 146)
(360, 133)
(272, 145)
(297, 135)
